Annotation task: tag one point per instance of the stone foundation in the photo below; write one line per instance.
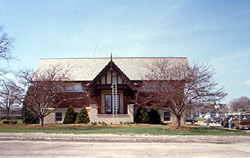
(109, 118)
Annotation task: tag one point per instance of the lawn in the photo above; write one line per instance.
(199, 119)
(152, 129)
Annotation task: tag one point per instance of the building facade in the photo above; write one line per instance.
(105, 86)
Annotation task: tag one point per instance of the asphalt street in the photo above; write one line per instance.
(210, 124)
(110, 145)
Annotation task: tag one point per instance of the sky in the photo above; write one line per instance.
(216, 32)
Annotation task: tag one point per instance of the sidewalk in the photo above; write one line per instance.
(116, 138)
(210, 124)
(41, 145)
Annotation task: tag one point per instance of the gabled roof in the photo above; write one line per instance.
(86, 69)
(112, 65)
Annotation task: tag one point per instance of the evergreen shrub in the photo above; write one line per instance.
(154, 116)
(70, 116)
(141, 116)
(82, 116)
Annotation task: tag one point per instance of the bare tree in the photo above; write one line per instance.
(213, 108)
(45, 90)
(9, 95)
(209, 107)
(240, 104)
(5, 46)
(178, 86)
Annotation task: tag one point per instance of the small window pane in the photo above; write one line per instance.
(58, 116)
(78, 87)
(108, 104)
(60, 88)
(69, 87)
(167, 116)
(118, 103)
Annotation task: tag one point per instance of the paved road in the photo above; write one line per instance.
(210, 124)
(107, 145)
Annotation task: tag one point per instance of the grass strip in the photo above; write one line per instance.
(152, 129)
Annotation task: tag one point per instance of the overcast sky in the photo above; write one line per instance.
(211, 31)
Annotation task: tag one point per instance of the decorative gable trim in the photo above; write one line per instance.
(112, 66)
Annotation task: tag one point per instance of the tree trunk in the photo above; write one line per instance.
(41, 121)
(178, 121)
(7, 113)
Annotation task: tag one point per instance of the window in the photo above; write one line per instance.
(235, 117)
(60, 88)
(108, 103)
(71, 87)
(167, 116)
(78, 87)
(58, 116)
(118, 103)
(154, 87)
(68, 87)
(245, 117)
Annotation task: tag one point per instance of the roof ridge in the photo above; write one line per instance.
(113, 58)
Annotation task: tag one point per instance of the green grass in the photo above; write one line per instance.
(153, 129)
(199, 119)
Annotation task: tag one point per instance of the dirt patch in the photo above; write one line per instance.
(38, 126)
(175, 127)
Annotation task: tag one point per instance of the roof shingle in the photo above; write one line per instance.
(86, 69)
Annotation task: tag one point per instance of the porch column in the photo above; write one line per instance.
(93, 113)
(131, 112)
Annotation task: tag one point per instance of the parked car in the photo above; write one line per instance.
(215, 120)
(205, 121)
(191, 120)
(238, 121)
(224, 122)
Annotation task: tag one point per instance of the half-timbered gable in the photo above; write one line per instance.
(111, 73)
